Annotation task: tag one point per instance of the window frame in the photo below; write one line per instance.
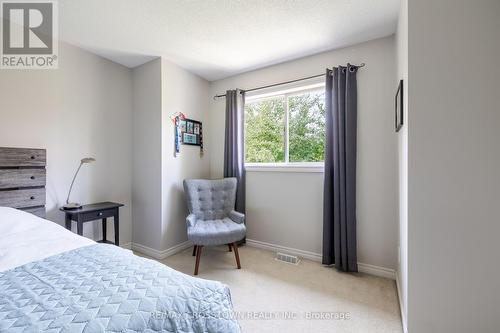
(286, 166)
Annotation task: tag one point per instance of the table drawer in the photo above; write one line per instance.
(99, 214)
(17, 157)
(13, 178)
(23, 198)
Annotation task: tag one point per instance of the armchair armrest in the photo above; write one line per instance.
(191, 220)
(237, 217)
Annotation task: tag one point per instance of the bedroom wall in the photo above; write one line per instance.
(187, 93)
(285, 208)
(84, 108)
(146, 162)
(162, 89)
(402, 73)
(453, 169)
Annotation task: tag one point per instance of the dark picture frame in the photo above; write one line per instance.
(191, 132)
(398, 107)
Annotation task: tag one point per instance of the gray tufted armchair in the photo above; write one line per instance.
(212, 219)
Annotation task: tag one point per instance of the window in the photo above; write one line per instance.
(286, 128)
(265, 130)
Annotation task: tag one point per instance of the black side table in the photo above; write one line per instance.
(92, 212)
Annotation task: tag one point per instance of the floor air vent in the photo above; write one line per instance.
(289, 259)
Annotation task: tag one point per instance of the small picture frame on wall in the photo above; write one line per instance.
(192, 133)
(189, 139)
(399, 107)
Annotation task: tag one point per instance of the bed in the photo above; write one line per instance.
(52, 280)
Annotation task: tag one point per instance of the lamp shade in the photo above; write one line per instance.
(87, 160)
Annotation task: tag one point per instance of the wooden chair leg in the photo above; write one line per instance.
(229, 246)
(198, 255)
(235, 247)
(194, 250)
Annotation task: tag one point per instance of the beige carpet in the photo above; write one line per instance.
(269, 289)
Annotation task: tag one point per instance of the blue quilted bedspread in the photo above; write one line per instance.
(103, 288)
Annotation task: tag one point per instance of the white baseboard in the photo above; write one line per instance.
(161, 254)
(177, 248)
(275, 248)
(377, 271)
(127, 246)
(364, 268)
(401, 305)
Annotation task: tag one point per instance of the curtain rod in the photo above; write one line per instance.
(286, 82)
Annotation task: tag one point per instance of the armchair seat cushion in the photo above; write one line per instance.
(216, 232)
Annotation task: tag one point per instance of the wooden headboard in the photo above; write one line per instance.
(22, 179)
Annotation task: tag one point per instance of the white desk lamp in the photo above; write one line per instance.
(74, 205)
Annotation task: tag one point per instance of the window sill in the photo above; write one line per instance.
(281, 167)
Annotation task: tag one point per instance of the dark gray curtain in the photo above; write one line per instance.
(234, 150)
(339, 207)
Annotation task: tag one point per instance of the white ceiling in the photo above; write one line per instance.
(220, 38)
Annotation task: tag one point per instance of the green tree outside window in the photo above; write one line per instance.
(265, 128)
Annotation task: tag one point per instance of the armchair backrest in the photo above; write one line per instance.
(210, 199)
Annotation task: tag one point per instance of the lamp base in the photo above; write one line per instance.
(71, 205)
